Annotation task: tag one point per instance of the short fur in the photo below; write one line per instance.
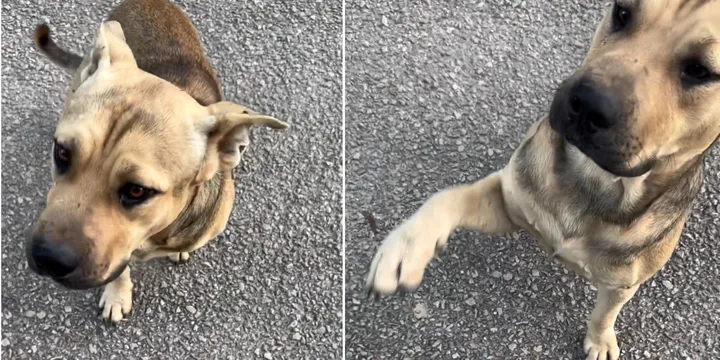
(144, 107)
(606, 181)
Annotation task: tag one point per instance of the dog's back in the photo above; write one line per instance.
(163, 41)
(165, 44)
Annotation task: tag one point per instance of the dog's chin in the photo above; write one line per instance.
(610, 165)
(75, 283)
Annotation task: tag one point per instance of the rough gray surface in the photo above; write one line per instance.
(439, 93)
(270, 287)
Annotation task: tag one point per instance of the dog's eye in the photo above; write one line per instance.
(696, 73)
(621, 17)
(61, 156)
(134, 194)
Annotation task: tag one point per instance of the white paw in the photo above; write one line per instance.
(179, 257)
(601, 346)
(400, 262)
(116, 300)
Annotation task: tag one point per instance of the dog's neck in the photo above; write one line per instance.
(621, 200)
(196, 217)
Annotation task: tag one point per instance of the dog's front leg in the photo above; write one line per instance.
(401, 260)
(600, 341)
(116, 299)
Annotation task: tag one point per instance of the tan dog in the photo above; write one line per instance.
(606, 181)
(143, 154)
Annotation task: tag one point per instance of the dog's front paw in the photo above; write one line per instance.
(400, 262)
(116, 300)
(601, 346)
(179, 257)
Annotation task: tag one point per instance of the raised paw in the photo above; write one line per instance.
(400, 262)
(116, 300)
(602, 346)
(179, 257)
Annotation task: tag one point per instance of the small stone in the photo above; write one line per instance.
(191, 309)
(470, 301)
(420, 311)
(267, 355)
(93, 349)
(455, 355)
(668, 284)
(496, 274)
(68, 309)
(538, 348)
(41, 315)
(321, 330)
(508, 276)
(512, 347)
(29, 313)
(535, 273)
(646, 354)
(5, 342)
(296, 337)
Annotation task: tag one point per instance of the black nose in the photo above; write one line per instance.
(591, 109)
(56, 261)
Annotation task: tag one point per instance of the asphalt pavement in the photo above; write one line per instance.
(439, 93)
(270, 287)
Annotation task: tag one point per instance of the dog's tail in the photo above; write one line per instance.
(56, 54)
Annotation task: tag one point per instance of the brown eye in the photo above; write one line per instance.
(136, 191)
(133, 194)
(696, 71)
(621, 17)
(62, 158)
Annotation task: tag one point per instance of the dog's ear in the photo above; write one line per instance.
(227, 130)
(109, 50)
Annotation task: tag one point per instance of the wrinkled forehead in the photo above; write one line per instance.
(674, 14)
(671, 28)
(148, 120)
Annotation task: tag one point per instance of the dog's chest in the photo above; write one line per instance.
(549, 229)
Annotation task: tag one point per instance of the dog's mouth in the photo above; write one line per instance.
(609, 160)
(77, 281)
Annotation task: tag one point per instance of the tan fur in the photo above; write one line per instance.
(671, 124)
(124, 124)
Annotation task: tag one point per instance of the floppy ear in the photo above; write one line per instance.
(109, 50)
(227, 129)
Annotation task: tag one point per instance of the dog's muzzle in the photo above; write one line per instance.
(596, 120)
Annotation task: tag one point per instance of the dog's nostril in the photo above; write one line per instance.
(57, 261)
(597, 120)
(575, 104)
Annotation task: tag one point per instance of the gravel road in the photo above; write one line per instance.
(439, 93)
(271, 286)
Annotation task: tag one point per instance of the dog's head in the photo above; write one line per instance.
(648, 91)
(128, 152)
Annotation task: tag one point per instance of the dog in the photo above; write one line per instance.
(605, 181)
(143, 154)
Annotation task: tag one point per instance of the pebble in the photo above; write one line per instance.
(191, 309)
(29, 313)
(420, 311)
(470, 302)
(512, 347)
(496, 274)
(267, 355)
(668, 284)
(41, 315)
(508, 276)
